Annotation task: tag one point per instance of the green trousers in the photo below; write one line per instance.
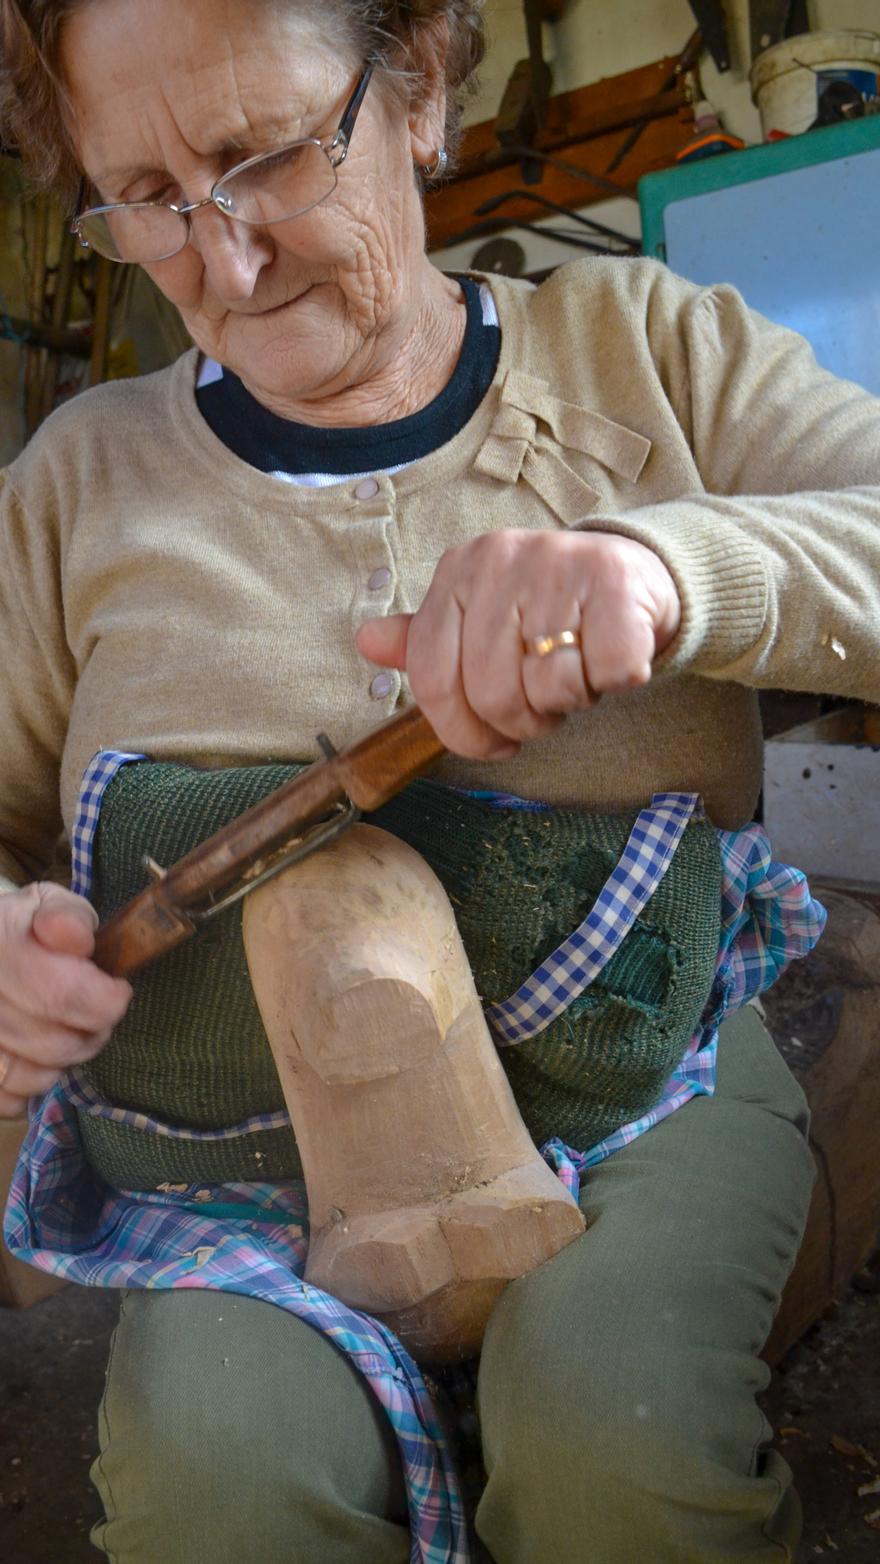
(616, 1393)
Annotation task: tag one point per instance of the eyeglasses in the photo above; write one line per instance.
(270, 188)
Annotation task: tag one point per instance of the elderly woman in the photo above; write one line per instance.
(581, 525)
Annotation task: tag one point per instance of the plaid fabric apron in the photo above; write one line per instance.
(250, 1238)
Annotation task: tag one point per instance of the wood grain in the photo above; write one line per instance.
(426, 1193)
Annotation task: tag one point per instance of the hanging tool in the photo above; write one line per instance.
(555, 206)
(772, 20)
(101, 322)
(499, 225)
(685, 63)
(610, 187)
(523, 109)
(60, 315)
(709, 16)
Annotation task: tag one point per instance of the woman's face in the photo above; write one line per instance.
(167, 97)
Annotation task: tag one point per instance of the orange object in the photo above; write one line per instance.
(709, 145)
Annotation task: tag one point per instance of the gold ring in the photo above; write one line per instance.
(5, 1066)
(543, 645)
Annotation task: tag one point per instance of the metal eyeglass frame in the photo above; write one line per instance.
(336, 150)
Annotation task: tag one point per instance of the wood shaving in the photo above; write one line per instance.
(201, 1255)
(855, 1452)
(844, 1446)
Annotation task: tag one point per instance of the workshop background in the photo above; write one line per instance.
(627, 114)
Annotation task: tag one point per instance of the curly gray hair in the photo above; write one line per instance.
(392, 33)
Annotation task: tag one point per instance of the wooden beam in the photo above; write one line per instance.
(100, 321)
(584, 129)
(74, 344)
(824, 1014)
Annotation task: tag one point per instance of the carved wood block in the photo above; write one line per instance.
(426, 1193)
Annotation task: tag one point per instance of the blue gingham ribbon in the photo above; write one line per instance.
(574, 964)
(99, 772)
(84, 1096)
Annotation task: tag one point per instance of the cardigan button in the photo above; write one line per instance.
(381, 686)
(379, 579)
(366, 489)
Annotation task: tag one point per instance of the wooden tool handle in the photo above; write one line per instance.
(384, 761)
(368, 772)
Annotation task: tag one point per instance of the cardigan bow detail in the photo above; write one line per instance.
(529, 429)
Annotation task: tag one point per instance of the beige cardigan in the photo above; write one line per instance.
(157, 594)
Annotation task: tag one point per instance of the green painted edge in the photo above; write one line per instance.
(657, 191)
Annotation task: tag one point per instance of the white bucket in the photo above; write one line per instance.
(788, 78)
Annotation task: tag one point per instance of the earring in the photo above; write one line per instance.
(438, 168)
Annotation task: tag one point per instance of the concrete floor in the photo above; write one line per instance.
(824, 1402)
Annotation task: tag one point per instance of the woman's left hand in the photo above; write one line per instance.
(467, 651)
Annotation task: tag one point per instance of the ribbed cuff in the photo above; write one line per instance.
(718, 572)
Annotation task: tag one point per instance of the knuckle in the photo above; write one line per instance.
(433, 684)
(524, 723)
(33, 1080)
(608, 679)
(500, 550)
(615, 565)
(501, 708)
(119, 997)
(618, 681)
(554, 682)
(549, 706)
(572, 685)
(60, 1047)
(83, 997)
(468, 737)
(71, 998)
(559, 701)
(489, 745)
(65, 1047)
(45, 1048)
(79, 1047)
(449, 565)
(491, 551)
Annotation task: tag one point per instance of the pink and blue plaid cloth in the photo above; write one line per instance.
(251, 1238)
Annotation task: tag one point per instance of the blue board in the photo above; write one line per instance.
(795, 226)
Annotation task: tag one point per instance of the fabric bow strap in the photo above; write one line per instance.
(519, 447)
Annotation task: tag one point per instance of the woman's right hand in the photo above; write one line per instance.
(57, 1008)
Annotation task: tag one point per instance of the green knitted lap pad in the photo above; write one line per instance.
(192, 1050)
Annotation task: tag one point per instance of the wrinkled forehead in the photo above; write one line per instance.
(151, 80)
